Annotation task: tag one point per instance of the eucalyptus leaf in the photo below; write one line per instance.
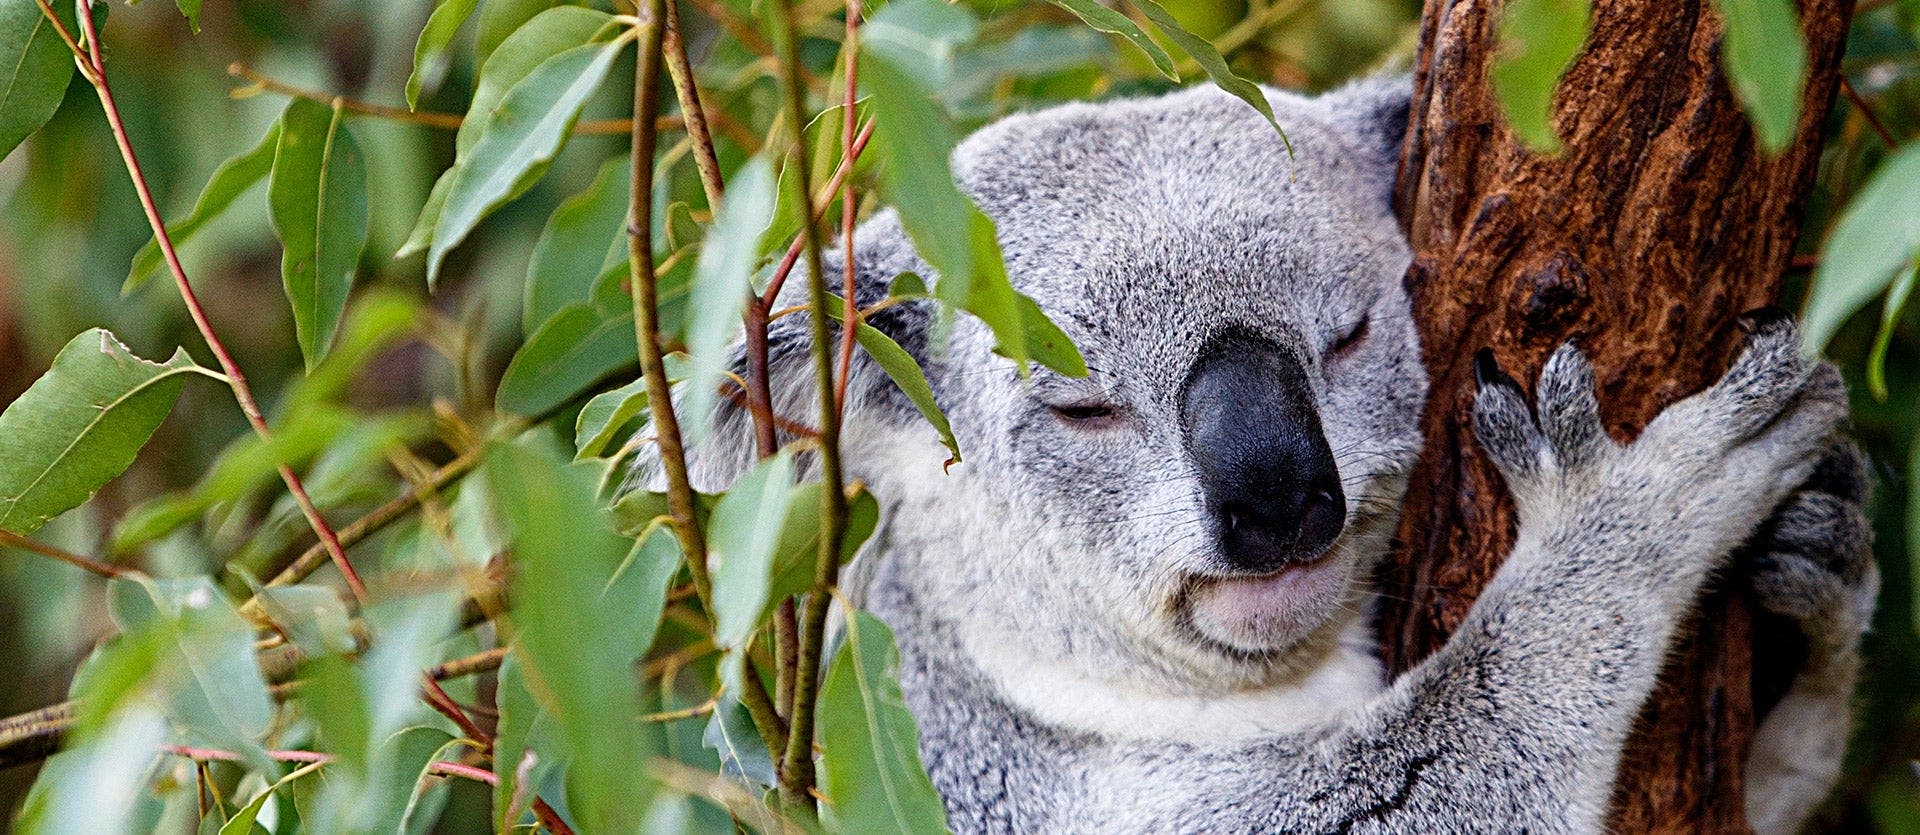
(607, 412)
(575, 247)
(80, 425)
(40, 64)
(1212, 63)
(527, 129)
(1889, 318)
(1766, 59)
(501, 19)
(742, 537)
(318, 200)
(430, 52)
(581, 345)
(1112, 22)
(870, 742)
(1876, 238)
(232, 179)
(1539, 40)
(722, 281)
(906, 373)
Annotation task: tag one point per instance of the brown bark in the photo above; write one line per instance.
(1657, 224)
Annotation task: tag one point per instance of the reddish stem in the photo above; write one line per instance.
(800, 241)
(242, 392)
(438, 699)
(850, 318)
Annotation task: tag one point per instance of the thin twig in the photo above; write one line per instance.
(442, 121)
(704, 158)
(1866, 109)
(794, 249)
(796, 772)
(850, 317)
(242, 393)
(441, 768)
(26, 544)
(478, 662)
(437, 698)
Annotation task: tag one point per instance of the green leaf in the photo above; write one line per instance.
(318, 199)
(577, 245)
(1875, 238)
(1538, 41)
(1766, 58)
(422, 234)
(520, 141)
(242, 821)
(639, 587)
(35, 66)
(79, 426)
(722, 280)
(741, 538)
(872, 747)
(907, 374)
(1889, 317)
(214, 693)
(313, 616)
(607, 412)
(1210, 61)
(581, 345)
(798, 554)
(229, 181)
(430, 52)
(1112, 22)
(578, 650)
(191, 10)
(500, 20)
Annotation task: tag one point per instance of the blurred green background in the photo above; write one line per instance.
(69, 224)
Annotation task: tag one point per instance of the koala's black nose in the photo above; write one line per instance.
(1255, 435)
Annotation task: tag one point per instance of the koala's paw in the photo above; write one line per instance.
(1704, 473)
(1812, 560)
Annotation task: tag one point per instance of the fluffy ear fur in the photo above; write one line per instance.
(1376, 110)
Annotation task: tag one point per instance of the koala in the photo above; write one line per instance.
(1141, 602)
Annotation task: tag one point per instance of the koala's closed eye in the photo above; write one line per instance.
(1348, 339)
(1089, 414)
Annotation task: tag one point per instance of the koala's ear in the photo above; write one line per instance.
(1374, 111)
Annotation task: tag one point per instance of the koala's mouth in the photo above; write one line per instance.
(1256, 614)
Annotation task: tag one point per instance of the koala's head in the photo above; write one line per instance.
(1203, 508)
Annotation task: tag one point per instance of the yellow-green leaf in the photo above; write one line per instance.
(318, 199)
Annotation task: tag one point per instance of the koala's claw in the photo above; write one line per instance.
(1567, 436)
(1812, 560)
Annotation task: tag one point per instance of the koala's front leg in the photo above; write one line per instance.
(1812, 562)
(1614, 544)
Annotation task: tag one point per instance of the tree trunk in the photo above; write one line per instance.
(1657, 224)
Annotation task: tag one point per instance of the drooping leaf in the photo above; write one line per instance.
(422, 234)
(214, 694)
(578, 651)
(907, 374)
(576, 245)
(722, 280)
(1889, 317)
(871, 745)
(79, 426)
(229, 181)
(1875, 238)
(1211, 62)
(1112, 22)
(519, 143)
(798, 555)
(318, 199)
(1766, 58)
(742, 537)
(37, 66)
(430, 52)
(1538, 41)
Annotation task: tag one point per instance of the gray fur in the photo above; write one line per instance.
(1071, 660)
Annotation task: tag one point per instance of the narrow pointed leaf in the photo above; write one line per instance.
(1210, 61)
(870, 743)
(79, 426)
(430, 52)
(527, 130)
(1766, 58)
(1896, 304)
(318, 199)
(577, 347)
(742, 536)
(1112, 22)
(232, 179)
(907, 374)
(722, 280)
(191, 10)
(1538, 41)
(575, 246)
(607, 412)
(1876, 237)
(35, 66)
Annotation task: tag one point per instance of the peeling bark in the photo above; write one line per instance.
(1657, 224)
